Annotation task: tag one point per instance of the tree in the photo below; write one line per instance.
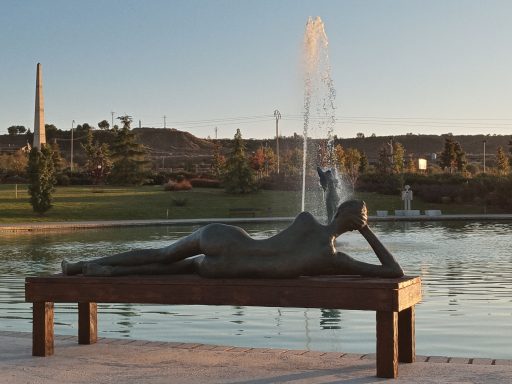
(270, 161)
(363, 163)
(352, 166)
(502, 161)
(339, 155)
(104, 125)
(57, 159)
(41, 175)
(15, 163)
(218, 161)
(239, 177)
(50, 130)
(291, 162)
(460, 158)
(257, 161)
(129, 157)
(448, 158)
(14, 130)
(384, 162)
(411, 165)
(81, 131)
(360, 135)
(398, 158)
(98, 162)
(263, 161)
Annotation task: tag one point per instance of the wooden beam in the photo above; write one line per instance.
(343, 292)
(387, 344)
(87, 323)
(406, 336)
(42, 328)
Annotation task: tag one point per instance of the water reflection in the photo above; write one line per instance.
(466, 270)
(330, 319)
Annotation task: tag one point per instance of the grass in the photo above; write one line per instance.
(77, 203)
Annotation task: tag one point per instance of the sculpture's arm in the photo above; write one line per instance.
(386, 258)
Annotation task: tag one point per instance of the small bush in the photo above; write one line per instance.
(183, 185)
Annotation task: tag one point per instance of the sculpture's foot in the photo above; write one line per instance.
(64, 266)
(69, 269)
(92, 269)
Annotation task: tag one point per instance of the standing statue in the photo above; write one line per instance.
(329, 183)
(305, 248)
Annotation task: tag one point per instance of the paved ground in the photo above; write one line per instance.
(128, 361)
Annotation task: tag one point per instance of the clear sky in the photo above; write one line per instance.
(415, 66)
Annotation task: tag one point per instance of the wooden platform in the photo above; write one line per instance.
(392, 299)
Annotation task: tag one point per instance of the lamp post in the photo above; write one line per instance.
(71, 162)
(485, 141)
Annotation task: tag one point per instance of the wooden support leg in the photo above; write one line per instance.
(42, 328)
(87, 323)
(387, 344)
(406, 336)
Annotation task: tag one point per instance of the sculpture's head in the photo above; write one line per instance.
(350, 216)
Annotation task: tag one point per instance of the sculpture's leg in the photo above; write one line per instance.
(180, 267)
(387, 344)
(87, 323)
(42, 328)
(183, 248)
(406, 336)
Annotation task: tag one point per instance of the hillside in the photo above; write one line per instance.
(171, 140)
(424, 145)
(173, 148)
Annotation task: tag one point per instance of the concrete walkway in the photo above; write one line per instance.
(130, 361)
(73, 225)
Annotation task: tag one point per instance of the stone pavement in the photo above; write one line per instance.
(134, 361)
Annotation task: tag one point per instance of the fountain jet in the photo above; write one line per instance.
(319, 95)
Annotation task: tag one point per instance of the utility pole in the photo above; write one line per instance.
(485, 141)
(165, 124)
(277, 115)
(71, 162)
(391, 150)
(112, 126)
(216, 129)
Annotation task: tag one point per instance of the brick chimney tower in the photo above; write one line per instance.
(39, 130)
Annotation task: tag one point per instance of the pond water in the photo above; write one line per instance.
(466, 311)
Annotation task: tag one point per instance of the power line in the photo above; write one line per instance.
(414, 118)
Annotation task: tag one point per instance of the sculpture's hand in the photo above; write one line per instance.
(353, 216)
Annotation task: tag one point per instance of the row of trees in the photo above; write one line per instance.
(453, 158)
(240, 173)
(123, 162)
(351, 163)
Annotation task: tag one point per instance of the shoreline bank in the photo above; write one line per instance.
(78, 225)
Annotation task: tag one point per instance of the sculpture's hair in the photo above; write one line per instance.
(349, 204)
